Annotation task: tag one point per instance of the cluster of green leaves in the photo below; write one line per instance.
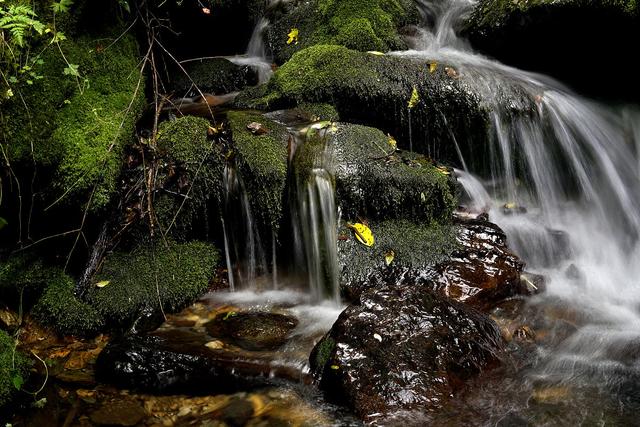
(22, 30)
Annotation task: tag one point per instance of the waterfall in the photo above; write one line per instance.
(314, 213)
(572, 168)
(244, 251)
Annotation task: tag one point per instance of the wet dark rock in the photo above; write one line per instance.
(403, 348)
(217, 76)
(519, 33)
(252, 331)
(159, 365)
(532, 284)
(119, 414)
(479, 270)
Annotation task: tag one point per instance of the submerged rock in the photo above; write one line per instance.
(252, 331)
(403, 348)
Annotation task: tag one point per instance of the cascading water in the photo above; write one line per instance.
(575, 166)
(314, 213)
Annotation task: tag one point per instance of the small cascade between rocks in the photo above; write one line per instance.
(314, 213)
(562, 178)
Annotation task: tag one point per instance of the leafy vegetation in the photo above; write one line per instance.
(14, 367)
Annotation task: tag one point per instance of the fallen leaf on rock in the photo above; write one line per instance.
(433, 66)
(451, 72)
(103, 283)
(389, 256)
(392, 142)
(414, 100)
(293, 36)
(363, 233)
(375, 52)
(257, 128)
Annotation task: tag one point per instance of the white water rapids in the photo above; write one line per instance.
(574, 165)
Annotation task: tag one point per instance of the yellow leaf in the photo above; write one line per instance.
(335, 367)
(363, 233)
(293, 36)
(415, 98)
(510, 205)
(392, 142)
(443, 170)
(389, 256)
(433, 66)
(103, 283)
(375, 52)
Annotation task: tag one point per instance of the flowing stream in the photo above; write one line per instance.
(563, 181)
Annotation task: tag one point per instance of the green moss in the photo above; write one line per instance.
(153, 274)
(78, 126)
(23, 271)
(262, 162)
(61, 310)
(359, 24)
(494, 13)
(14, 367)
(184, 146)
(322, 352)
(414, 244)
(319, 111)
(375, 90)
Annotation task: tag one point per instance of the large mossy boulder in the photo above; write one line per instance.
(557, 37)
(365, 25)
(261, 159)
(403, 348)
(14, 369)
(76, 127)
(376, 90)
(161, 277)
(191, 167)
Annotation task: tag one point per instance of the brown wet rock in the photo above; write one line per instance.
(481, 272)
(404, 348)
(124, 413)
(252, 331)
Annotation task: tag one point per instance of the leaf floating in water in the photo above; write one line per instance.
(103, 283)
(375, 52)
(363, 233)
(415, 98)
(293, 36)
(433, 66)
(390, 255)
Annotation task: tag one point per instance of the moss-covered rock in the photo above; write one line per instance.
(375, 181)
(216, 75)
(398, 243)
(163, 275)
(191, 179)
(357, 24)
(14, 367)
(61, 310)
(262, 163)
(372, 89)
(555, 37)
(78, 125)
